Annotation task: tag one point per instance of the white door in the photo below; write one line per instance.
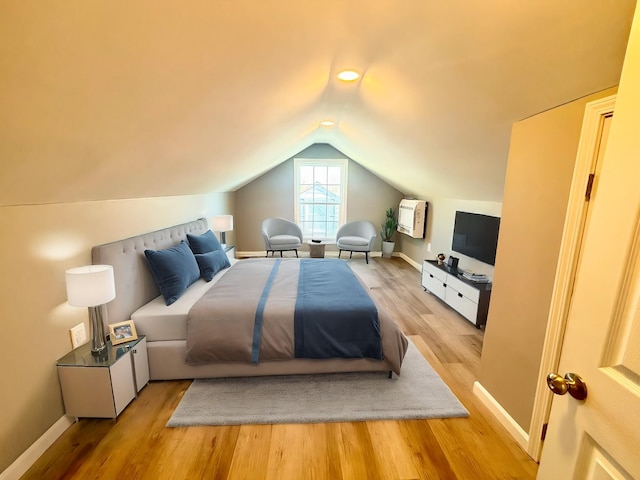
(599, 437)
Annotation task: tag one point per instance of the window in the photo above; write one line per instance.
(321, 200)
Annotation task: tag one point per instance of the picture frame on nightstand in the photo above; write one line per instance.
(122, 332)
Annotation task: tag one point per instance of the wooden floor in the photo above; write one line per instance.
(139, 446)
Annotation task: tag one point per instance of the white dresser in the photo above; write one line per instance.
(470, 299)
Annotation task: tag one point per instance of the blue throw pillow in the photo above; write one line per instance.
(211, 263)
(205, 243)
(173, 269)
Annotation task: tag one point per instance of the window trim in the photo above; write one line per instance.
(343, 163)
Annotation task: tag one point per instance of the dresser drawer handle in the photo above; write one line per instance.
(431, 275)
(459, 294)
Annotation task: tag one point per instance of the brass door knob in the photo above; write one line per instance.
(571, 383)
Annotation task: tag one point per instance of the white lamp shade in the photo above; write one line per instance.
(222, 223)
(90, 286)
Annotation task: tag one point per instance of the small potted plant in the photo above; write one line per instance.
(387, 232)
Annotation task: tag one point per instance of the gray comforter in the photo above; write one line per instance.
(253, 314)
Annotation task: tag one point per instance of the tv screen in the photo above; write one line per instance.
(476, 235)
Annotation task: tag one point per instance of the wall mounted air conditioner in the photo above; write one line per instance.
(412, 217)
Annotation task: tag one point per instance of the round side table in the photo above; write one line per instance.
(316, 249)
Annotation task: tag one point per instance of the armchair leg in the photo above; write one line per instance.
(339, 253)
(350, 254)
(297, 253)
(366, 256)
(280, 253)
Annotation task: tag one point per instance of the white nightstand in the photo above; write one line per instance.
(102, 386)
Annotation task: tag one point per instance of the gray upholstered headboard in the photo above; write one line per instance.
(134, 284)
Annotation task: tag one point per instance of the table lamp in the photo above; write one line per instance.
(222, 224)
(92, 286)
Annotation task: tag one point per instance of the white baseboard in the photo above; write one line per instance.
(249, 254)
(410, 261)
(29, 457)
(501, 415)
(328, 253)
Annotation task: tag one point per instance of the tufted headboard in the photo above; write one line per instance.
(134, 284)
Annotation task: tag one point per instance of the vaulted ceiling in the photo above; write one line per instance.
(114, 99)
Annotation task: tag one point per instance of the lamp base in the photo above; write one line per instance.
(96, 329)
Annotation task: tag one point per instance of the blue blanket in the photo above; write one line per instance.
(334, 315)
(258, 311)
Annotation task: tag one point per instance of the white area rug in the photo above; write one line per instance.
(342, 397)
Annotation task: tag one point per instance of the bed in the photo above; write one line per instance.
(171, 349)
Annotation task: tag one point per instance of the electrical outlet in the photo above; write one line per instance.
(429, 247)
(78, 335)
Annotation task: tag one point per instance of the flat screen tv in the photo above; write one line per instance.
(476, 236)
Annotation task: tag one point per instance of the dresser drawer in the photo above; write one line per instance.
(465, 289)
(461, 304)
(434, 272)
(433, 284)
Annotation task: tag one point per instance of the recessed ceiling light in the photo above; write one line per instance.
(327, 123)
(348, 75)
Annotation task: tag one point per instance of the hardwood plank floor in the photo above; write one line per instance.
(139, 446)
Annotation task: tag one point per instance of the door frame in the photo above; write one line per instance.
(569, 254)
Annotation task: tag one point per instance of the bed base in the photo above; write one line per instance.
(166, 362)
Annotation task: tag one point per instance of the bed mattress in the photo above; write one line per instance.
(160, 322)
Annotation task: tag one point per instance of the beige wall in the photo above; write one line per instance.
(271, 195)
(539, 171)
(38, 244)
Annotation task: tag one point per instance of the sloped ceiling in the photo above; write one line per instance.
(124, 99)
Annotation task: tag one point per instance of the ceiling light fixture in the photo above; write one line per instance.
(348, 75)
(327, 123)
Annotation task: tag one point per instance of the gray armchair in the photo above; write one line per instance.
(281, 235)
(356, 237)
